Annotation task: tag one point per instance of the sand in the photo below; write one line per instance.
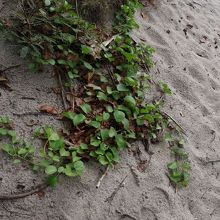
(186, 35)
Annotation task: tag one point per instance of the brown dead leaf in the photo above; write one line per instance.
(203, 40)
(144, 16)
(90, 76)
(3, 79)
(41, 194)
(32, 122)
(47, 55)
(78, 101)
(49, 109)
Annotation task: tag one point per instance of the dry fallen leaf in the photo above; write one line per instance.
(78, 101)
(144, 16)
(49, 109)
(3, 79)
(32, 122)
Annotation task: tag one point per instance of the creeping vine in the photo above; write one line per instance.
(106, 81)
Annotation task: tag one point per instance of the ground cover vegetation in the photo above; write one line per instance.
(104, 75)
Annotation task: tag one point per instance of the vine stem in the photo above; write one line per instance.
(9, 68)
(62, 92)
(102, 177)
(29, 192)
(167, 115)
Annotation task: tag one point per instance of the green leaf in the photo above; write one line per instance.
(125, 109)
(99, 118)
(88, 65)
(22, 151)
(78, 119)
(103, 147)
(122, 88)
(105, 116)
(92, 154)
(109, 108)
(181, 142)
(68, 171)
(24, 52)
(69, 115)
(102, 160)
(56, 158)
(51, 62)
(47, 2)
(165, 88)
(86, 108)
(130, 81)
(8, 149)
(52, 181)
(125, 122)
(85, 49)
(140, 121)
(102, 96)
(13, 136)
(112, 132)
(79, 167)
(50, 170)
(61, 62)
(104, 134)
(3, 131)
(95, 124)
(61, 169)
(72, 75)
(130, 101)
(109, 90)
(95, 142)
(149, 118)
(54, 137)
(64, 153)
(109, 156)
(100, 152)
(75, 157)
(116, 157)
(56, 145)
(51, 134)
(119, 116)
(168, 137)
(120, 141)
(172, 166)
(17, 161)
(83, 146)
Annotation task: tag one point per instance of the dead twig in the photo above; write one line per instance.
(31, 113)
(77, 10)
(15, 212)
(110, 198)
(62, 92)
(213, 161)
(124, 216)
(32, 191)
(196, 3)
(68, 143)
(146, 143)
(165, 114)
(102, 177)
(111, 75)
(135, 175)
(9, 68)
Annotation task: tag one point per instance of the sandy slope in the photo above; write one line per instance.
(190, 64)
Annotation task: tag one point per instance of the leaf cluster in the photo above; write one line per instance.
(110, 109)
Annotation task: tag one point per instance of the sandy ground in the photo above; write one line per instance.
(186, 35)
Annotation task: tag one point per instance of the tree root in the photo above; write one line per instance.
(29, 192)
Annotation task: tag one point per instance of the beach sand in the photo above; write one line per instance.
(186, 36)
